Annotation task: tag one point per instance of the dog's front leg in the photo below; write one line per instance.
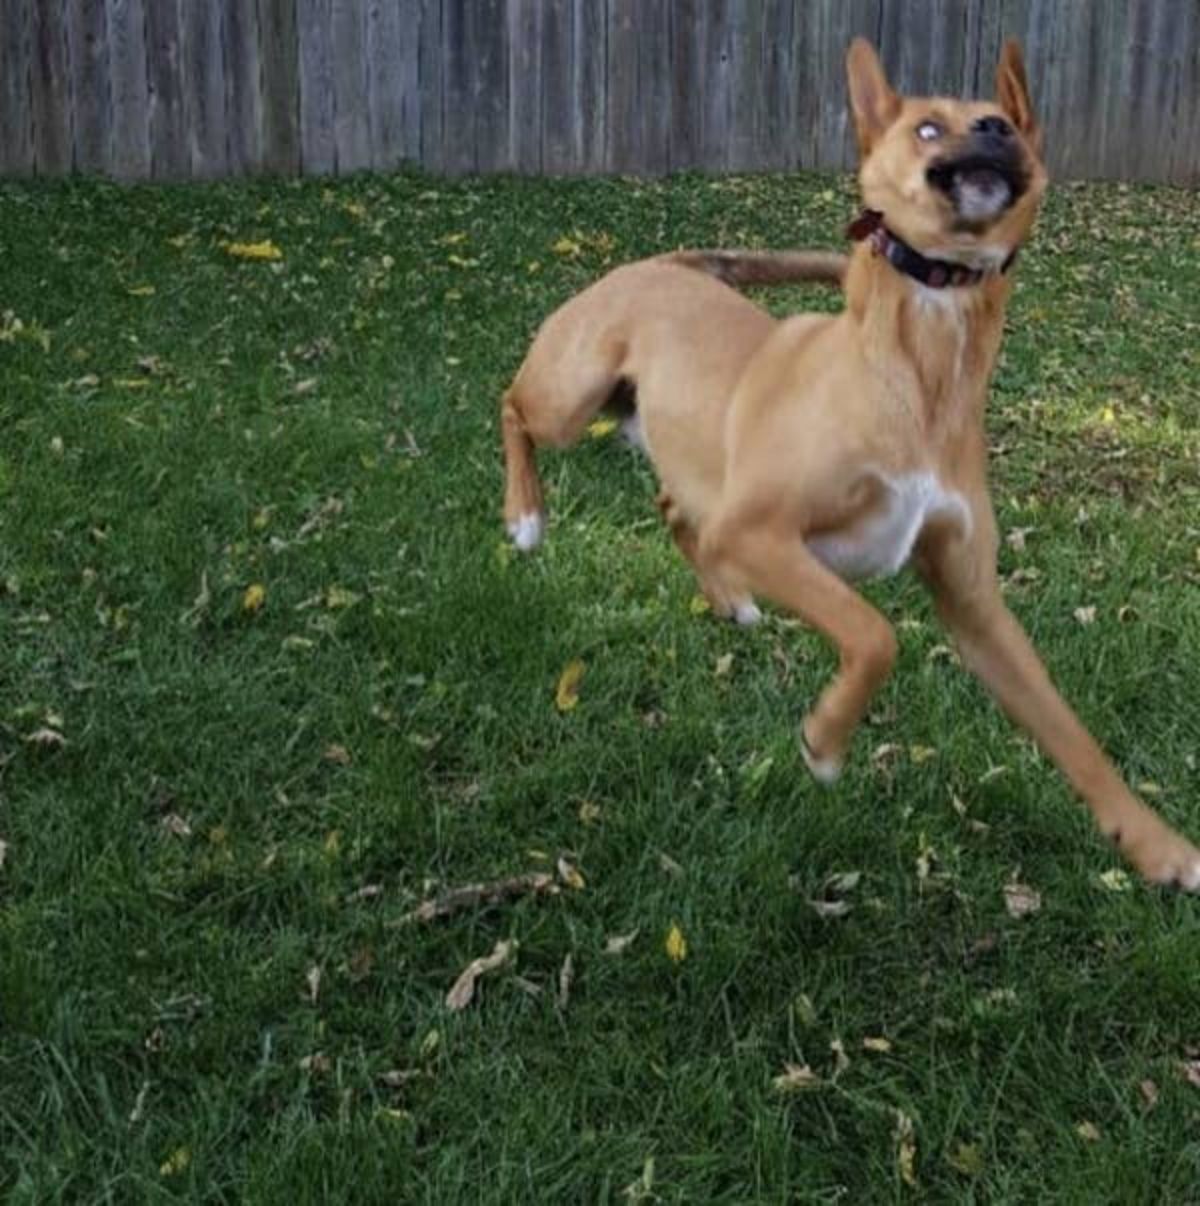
(996, 649)
(777, 565)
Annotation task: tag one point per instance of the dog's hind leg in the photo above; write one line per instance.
(725, 603)
(548, 404)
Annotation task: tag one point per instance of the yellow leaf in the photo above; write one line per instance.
(175, 1163)
(1088, 1132)
(142, 291)
(566, 246)
(602, 427)
(699, 605)
(570, 874)
(265, 250)
(1116, 880)
(566, 696)
(332, 843)
(794, 1078)
(921, 753)
(879, 1045)
(906, 1149)
(589, 812)
(254, 598)
(676, 944)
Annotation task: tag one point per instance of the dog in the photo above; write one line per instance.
(798, 456)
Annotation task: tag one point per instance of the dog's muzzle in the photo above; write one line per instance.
(985, 178)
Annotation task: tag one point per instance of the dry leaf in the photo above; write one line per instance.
(174, 824)
(461, 994)
(676, 944)
(566, 976)
(921, 753)
(139, 1105)
(879, 1045)
(724, 665)
(366, 892)
(175, 1163)
(1020, 899)
(795, 1078)
(1088, 1131)
(1149, 1092)
(569, 874)
(1085, 615)
(566, 247)
(1016, 538)
(337, 754)
(254, 598)
(265, 250)
(830, 908)
(618, 944)
(318, 1063)
(313, 979)
(1116, 880)
(457, 899)
(566, 695)
(589, 813)
(841, 1061)
(1190, 1068)
(47, 738)
(906, 1149)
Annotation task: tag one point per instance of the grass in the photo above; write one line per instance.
(194, 793)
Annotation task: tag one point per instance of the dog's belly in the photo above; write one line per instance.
(881, 542)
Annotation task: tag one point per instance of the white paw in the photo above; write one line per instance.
(527, 531)
(746, 614)
(824, 770)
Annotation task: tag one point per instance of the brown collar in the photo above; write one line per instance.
(936, 274)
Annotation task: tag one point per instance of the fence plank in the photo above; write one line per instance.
(192, 88)
(318, 145)
(170, 155)
(87, 53)
(351, 127)
(243, 88)
(279, 40)
(204, 85)
(130, 157)
(16, 105)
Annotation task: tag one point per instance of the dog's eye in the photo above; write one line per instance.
(929, 131)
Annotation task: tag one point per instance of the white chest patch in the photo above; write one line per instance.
(882, 542)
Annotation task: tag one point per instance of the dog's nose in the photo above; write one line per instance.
(994, 127)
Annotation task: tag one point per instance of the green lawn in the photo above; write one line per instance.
(201, 801)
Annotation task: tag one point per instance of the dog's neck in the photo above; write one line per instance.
(947, 337)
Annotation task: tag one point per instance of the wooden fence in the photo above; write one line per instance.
(169, 89)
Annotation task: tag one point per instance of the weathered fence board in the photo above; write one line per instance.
(204, 88)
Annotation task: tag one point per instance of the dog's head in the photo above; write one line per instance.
(957, 180)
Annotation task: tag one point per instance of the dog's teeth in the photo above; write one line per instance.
(527, 531)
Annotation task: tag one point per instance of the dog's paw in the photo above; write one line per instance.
(1158, 853)
(746, 613)
(527, 531)
(824, 770)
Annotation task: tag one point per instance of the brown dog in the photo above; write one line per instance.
(795, 456)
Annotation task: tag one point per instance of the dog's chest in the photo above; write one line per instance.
(882, 541)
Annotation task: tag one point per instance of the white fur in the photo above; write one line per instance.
(635, 435)
(883, 543)
(746, 613)
(824, 770)
(984, 257)
(527, 531)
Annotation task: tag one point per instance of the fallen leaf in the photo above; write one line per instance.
(841, 1061)
(1020, 899)
(566, 247)
(463, 990)
(142, 291)
(668, 865)
(830, 908)
(569, 874)
(139, 1105)
(724, 665)
(318, 1063)
(601, 427)
(967, 1159)
(906, 1149)
(921, 753)
(47, 738)
(264, 250)
(698, 605)
(337, 754)
(643, 1188)
(618, 944)
(1088, 1132)
(1149, 1092)
(254, 598)
(338, 597)
(589, 813)
(676, 944)
(566, 976)
(840, 883)
(3, 853)
(880, 1046)
(313, 979)
(566, 695)
(1148, 788)
(360, 964)
(457, 899)
(175, 1163)
(1016, 538)
(176, 825)
(795, 1078)
(1190, 1068)
(1116, 880)
(1085, 615)
(366, 892)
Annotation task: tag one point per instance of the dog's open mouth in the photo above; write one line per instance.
(981, 188)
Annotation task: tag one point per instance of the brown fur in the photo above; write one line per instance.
(779, 441)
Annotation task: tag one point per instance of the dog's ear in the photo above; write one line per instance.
(872, 100)
(1012, 92)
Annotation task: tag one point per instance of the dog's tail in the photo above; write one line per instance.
(740, 268)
